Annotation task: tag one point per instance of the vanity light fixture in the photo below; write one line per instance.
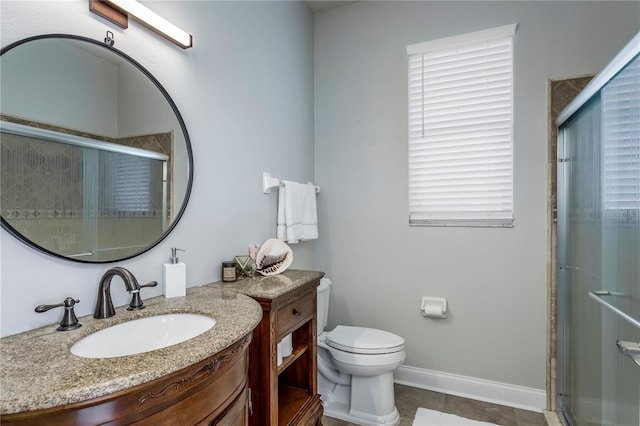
(118, 12)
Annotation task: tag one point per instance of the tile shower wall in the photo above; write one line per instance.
(32, 199)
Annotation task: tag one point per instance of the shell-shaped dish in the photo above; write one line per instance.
(274, 257)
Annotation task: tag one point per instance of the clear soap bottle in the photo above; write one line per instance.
(174, 276)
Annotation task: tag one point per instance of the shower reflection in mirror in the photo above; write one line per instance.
(81, 197)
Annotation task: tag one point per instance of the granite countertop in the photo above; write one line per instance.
(38, 371)
(273, 286)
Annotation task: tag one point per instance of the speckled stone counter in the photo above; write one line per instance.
(37, 370)
(273, 286)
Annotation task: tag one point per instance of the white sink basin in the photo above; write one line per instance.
(142, 335)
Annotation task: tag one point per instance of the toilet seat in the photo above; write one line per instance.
(362, 340)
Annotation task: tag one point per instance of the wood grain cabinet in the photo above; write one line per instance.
(285, 394)
(211, 392)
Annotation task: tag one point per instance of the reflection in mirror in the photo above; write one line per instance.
(89, 190)
(96, 161)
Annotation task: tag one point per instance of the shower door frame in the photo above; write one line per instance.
(563, 299)
(560, 93)
(563, 162)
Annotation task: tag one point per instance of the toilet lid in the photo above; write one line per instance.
(363, 340)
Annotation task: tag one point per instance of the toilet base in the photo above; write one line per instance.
(356, 404)
(341, 411)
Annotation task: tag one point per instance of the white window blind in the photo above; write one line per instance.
(132, 185)
(460, 130)
(621, 140)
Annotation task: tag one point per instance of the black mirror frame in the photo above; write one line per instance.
(6, 226)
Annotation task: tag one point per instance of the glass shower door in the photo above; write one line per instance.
(620, 297)
(599, 256)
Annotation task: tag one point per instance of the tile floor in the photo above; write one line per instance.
(408, 399)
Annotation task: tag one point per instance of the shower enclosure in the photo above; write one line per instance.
(598, 372)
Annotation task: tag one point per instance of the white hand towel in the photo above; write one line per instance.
(297, 213)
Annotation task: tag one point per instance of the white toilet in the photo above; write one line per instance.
(355, 369)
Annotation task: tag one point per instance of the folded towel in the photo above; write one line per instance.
(297, 214)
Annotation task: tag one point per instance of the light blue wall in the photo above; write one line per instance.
(245, 91)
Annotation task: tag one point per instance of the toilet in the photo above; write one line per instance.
(355, 369)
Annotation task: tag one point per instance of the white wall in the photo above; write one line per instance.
(494, 279)
(94, 102)
(245, 91)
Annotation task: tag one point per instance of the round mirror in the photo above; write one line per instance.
(96, 163)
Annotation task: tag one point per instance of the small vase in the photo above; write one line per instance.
(245, 266)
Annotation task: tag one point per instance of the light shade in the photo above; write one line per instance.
(143, 15)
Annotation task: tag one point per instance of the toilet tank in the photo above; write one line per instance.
(323, 303)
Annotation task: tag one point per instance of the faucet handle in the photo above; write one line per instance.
(136, 301)
(150, 284)
(69, 320)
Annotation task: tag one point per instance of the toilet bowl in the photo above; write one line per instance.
(355, 369)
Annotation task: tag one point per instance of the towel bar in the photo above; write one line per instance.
(269, 182)
(600, 297)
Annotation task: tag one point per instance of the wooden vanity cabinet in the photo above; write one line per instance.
(285, 394)
(211, 392)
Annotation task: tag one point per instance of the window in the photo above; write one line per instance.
(460, 130)
(132, 186)
(621, 140)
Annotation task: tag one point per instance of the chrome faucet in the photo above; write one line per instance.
(104, 305)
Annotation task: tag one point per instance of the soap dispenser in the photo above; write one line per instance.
(174, 276)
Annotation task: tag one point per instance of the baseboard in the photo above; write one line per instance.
(469, 387)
